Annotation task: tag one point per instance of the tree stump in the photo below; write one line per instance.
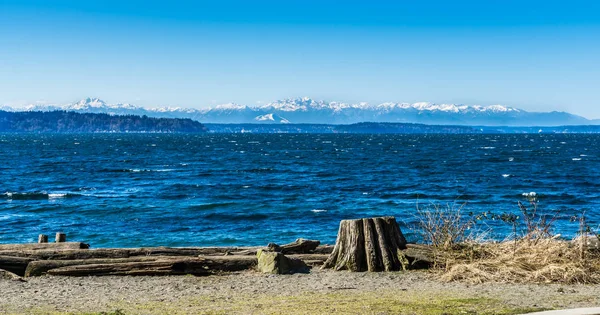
(373, 244)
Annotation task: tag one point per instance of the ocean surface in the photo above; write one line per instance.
(129, 190)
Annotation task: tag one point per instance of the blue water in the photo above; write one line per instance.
(126, 190)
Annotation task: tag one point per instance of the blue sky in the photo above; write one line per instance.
(536, 55)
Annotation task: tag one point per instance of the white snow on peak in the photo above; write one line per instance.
(302, 104)
(231, 106)
(88, 103)
(271, 117)
(267, 117)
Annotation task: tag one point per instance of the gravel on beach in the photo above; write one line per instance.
(215, 294)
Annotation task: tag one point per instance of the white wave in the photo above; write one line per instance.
(488, 148)
(576, 159)
(318, 210)
(530, 194)
(56, 195)
(510, 159)
(505, 175)
(10, 216)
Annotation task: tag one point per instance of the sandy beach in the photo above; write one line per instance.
(318, 292)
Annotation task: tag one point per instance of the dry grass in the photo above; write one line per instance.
(544, 260)
(443, 226)
(532, 254)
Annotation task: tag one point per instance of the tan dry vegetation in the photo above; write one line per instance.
(522, 261)
(533, 255)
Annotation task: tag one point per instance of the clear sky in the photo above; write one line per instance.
(535, 55)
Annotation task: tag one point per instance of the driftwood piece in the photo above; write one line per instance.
(323, 249)
(228, 263)
(43, 246)
(419, 255)
(7, 275)
(126, 252)
(300, 246)
(194, 266)
(40, 267)
(15, 265)
(311, 259)
(373, 244)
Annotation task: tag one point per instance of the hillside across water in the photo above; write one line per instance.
(71, 122)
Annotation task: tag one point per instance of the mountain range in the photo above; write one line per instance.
(308, 111)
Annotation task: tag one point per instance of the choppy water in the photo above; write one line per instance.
(241, 189)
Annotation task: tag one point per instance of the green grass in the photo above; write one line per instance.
(324, 303)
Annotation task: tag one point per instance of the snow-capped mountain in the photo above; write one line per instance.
(271, 118)
(307, 110)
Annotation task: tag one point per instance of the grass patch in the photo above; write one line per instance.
(335, 303)
(532, 254)
(545, 260)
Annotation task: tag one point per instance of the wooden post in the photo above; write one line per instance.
(373, 244)
(43, 238)
(61, 237)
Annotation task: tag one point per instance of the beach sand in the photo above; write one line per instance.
(319, 292)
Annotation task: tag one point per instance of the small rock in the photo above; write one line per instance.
(278, 263)
(592, 241)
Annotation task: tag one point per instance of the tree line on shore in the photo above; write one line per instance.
(71, 122)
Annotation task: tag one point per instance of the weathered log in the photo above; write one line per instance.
(323, 249)
(15, 265)
(194, 266)
(43, 246)
(7, 275)
(373, 244)
(300, 246)
(43, 238)
(419, 256)
(131, 252)
(311, 259)
(40, 267)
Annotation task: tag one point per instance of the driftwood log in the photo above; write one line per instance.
(300, 246)
(373, 244)
(16, 265)
(7, 275)
(58, 254)
(40, 267)
(230, 263)
(68, 254)
(43, 246)
(194, 266)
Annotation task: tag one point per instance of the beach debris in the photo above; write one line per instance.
(370, 244)
(7, 275)
(16, 265)
(199, 266)
(300, 246)
(41, 246)
(278, 263)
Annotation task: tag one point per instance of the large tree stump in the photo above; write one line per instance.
(373, 244)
